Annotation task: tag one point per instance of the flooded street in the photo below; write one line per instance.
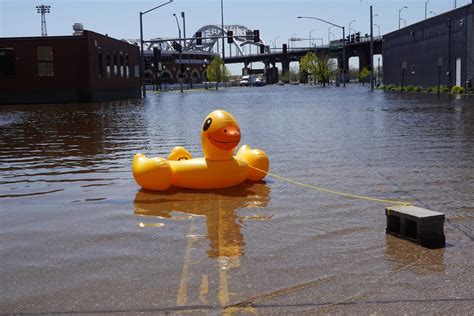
(78, 235)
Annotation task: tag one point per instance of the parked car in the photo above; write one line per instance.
(259, 82)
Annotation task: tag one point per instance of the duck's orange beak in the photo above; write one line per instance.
(225, 138)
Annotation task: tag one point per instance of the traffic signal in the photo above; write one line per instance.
(285, 48)
(358, 37)
(348, 39)
(177, 47)
(262, 49)
(230, 37)
(352, 38)
(198, 38)
(256, 36)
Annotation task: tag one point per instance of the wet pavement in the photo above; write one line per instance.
(78, 235)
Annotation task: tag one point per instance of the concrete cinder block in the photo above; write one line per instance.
(417, 224)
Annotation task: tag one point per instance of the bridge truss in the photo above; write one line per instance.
(211, 37)
(242, 36)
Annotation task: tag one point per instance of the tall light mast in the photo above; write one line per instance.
(43, 9)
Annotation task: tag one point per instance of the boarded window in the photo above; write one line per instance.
(115, 65)
(100, 64)
(7, 62)
(127, 70)
(44, 57)
(107, 63)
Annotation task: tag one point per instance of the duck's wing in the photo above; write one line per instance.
(179, 153)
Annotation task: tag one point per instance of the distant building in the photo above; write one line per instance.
(85, 67)
(164, 65)
(193, 67)
(442, 45)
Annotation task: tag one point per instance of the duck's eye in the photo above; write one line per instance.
(207, 124)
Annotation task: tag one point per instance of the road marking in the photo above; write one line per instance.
(183, 286)
(204, 289)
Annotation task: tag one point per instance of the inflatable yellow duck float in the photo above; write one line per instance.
(219, 168)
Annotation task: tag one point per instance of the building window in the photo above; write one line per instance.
(100, 64)
(137, 71)
(122, 68)
(115, 64)
(127, 68)
(7, 62)
(44, 57)
(107, 64)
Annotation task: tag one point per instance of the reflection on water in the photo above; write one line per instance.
(408, 255)
(69, 206)
(220, 207)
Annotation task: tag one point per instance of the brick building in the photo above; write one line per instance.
(85, 67)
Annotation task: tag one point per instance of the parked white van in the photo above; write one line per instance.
(248, 80)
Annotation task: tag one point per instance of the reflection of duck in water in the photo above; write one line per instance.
(218, 206)
(217, 169)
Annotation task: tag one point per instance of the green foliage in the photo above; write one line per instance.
(363, 74)
(217, 70)
(418, 88)
(443, 89)
(321, 67)
(410, 88)
(457, 90)
(430, 89)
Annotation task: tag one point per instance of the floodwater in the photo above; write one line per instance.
(77, 235)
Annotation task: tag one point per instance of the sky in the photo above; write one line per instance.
(276, 19)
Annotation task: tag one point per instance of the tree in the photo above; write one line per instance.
(213, 69)
(364, 73)
(308, 63)
(321, 67)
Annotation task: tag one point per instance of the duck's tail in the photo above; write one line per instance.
(151, 173)
(257, 160)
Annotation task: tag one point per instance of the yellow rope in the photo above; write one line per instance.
(347, 195)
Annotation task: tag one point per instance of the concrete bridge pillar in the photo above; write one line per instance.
(339, 66)
(364, 60)
(271, 73)
(285, 70)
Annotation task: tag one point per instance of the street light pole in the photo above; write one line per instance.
(371, 49)
(343, 43)
(223, 45)
(329, 34)
(378, 27)
(350, 26)
(292, 39)
(343, 57)
(142, 54)
(274, 42)
(184, 25)
(180, 72)
(404, 22)
(400, 15)
(310, 37)
(426, 8)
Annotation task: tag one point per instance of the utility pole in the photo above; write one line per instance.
(43, 9)
(223, 45)
(371, 50)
